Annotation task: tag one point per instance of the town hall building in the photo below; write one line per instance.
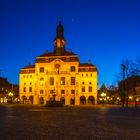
(60, 74)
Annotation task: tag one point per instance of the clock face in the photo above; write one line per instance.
(63, 43)
(58, 43)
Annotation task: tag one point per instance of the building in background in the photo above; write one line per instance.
(60, 74)
(9, 93)
(108, 95)
(131, 88)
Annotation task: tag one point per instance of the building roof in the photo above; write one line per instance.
(130, 84)
(86, 65)
(49, 54)
(87, 69)
(28, 69)
(29, 66)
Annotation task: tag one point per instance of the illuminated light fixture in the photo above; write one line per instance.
(5, 99)
(103, 94)
(130, 97)
(41, 83)
(10, 94)
(107, 97)
(118, 98)
(1, 100)
(100, 99)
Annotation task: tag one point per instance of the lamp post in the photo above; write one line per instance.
(123, 85)
(11, 96)
(103, 95)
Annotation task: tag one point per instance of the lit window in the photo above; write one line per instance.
(72, 80)
(24, 89)
(30, 89)
(72, 91)
(41, 81)
(90, 89)
(72, 68)
(83, 89)
(62, 91)
(51, 80)
(52, 91)
(41, 69)
(41, 91)
(62, 80)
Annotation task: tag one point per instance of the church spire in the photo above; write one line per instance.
(60, 30)
(59, 41)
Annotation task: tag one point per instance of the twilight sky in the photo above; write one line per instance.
(102, 31)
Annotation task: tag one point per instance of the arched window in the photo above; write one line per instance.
(82, 100)
(91, 100)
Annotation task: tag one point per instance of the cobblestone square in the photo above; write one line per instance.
(18, 122)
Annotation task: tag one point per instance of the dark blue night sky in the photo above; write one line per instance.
(103, 31)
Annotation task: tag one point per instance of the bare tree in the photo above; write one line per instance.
(131, 68)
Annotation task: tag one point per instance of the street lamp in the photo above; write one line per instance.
(103, 95)
(123, 85)
(118, 100)
(11, 96)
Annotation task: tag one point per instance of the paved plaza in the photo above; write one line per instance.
(19, 122)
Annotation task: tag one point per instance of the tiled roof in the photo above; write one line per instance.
(50, 56)
(65, 59)
(87, 69)
(47, 54)
(86, 65)
(29, 66)
(26, 71)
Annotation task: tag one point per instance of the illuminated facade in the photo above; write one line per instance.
(60, 73)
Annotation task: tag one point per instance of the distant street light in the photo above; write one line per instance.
(11, 96)
(103, 95)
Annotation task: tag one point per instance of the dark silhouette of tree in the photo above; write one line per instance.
(131, 69)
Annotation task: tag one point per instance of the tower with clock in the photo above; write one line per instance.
(59, 72)
(59, 41)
